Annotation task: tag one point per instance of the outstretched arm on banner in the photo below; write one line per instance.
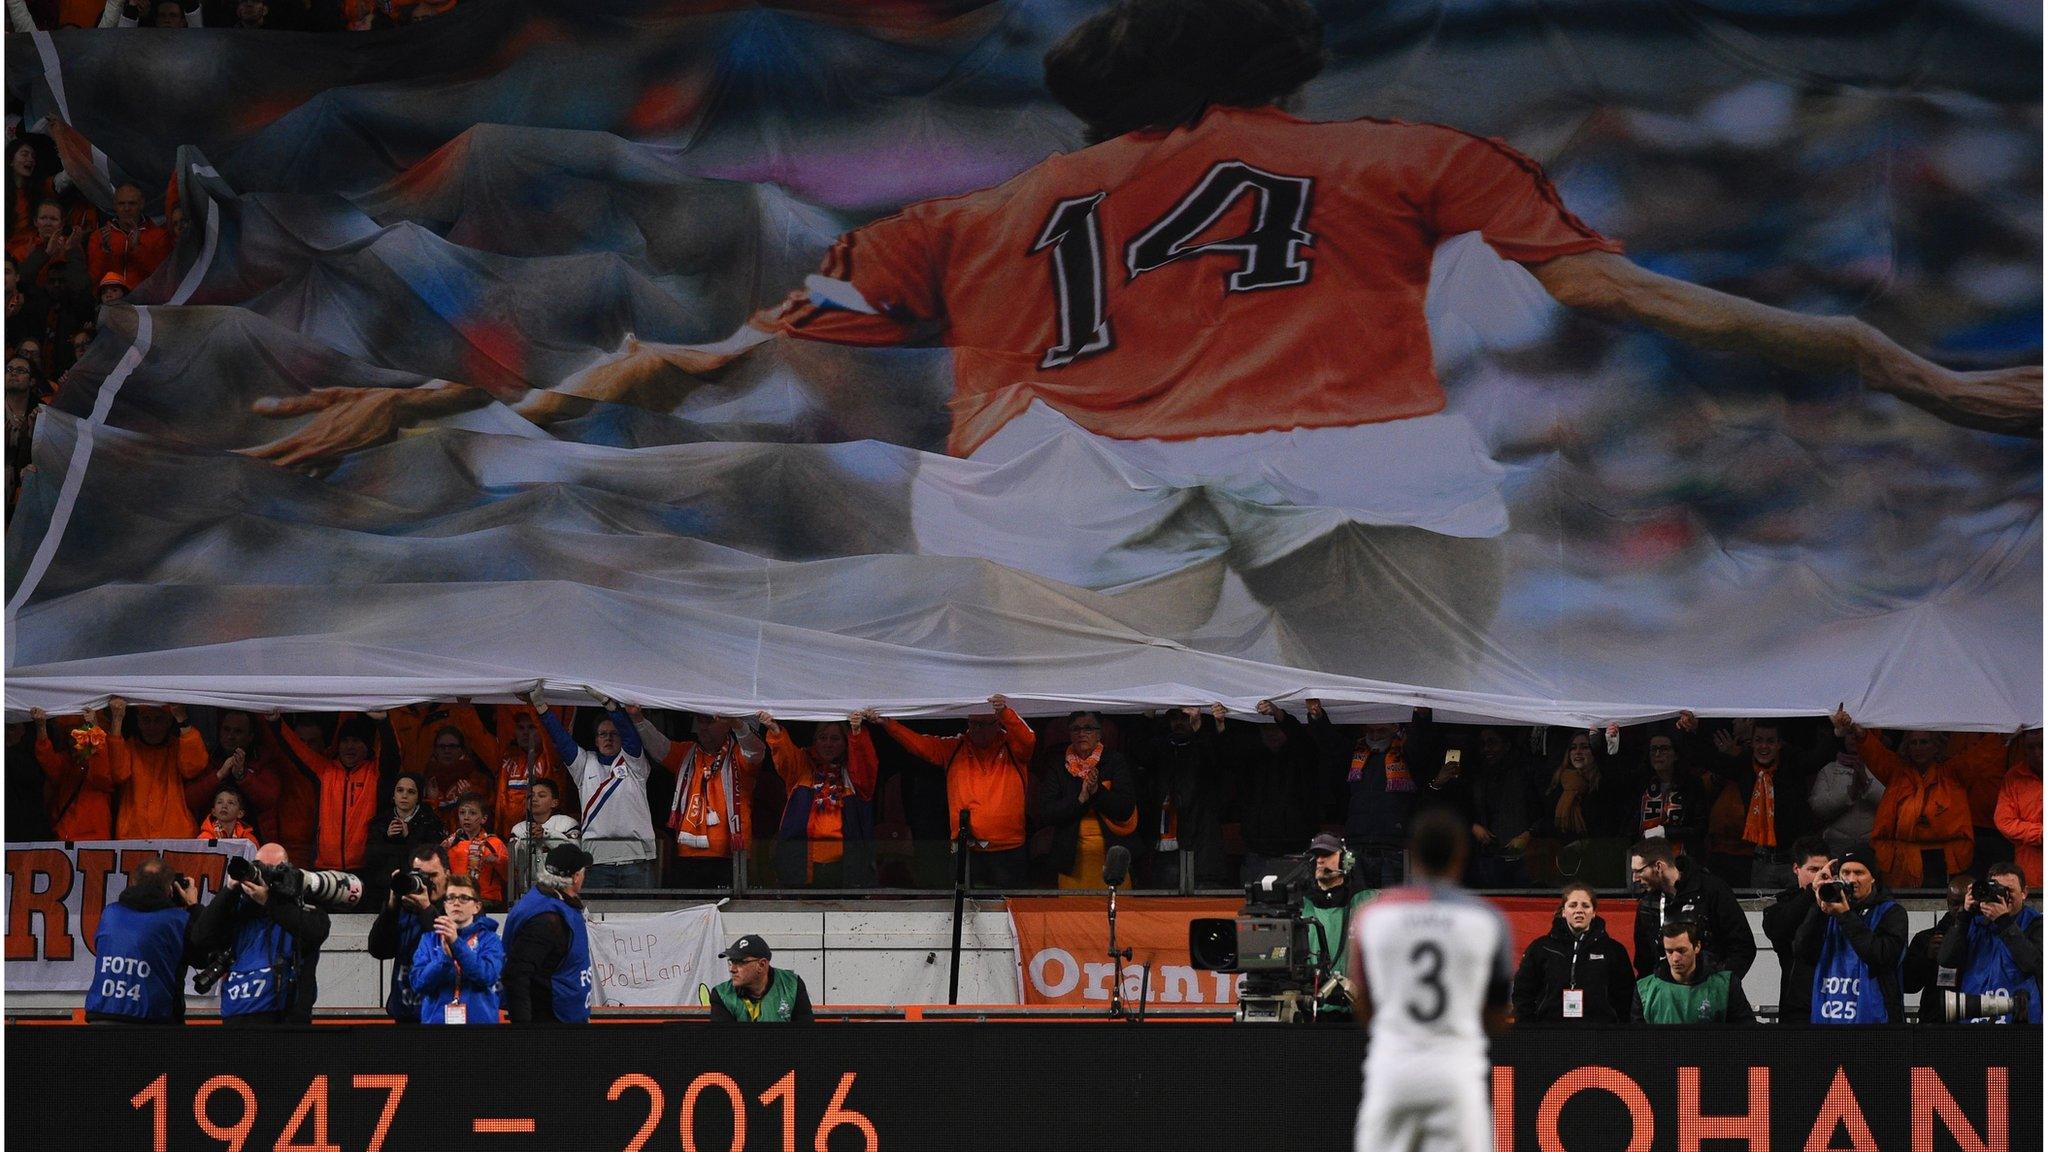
(2000, 400)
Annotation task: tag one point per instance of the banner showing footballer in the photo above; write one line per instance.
(1522, 360)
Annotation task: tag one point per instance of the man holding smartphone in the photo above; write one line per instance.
(1854, 936)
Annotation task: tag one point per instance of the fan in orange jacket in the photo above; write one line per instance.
(714, 782)
(524, 754)
(828, 815)
(2019, 804)
(987, 772)
(246, 762)
(446, 746)
(129, 245)
(349, 785)
(79, 808)
(475, 853)
(147, 773)
(1926, 805)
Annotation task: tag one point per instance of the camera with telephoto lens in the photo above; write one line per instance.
(1269, 943)
(1989, 891)
(1984, 1006)
(334, 891)
(1834, 892)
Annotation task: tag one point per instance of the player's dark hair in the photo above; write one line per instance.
(2005, 868)
(430, 851)
(1437, 838)
(1160, 64)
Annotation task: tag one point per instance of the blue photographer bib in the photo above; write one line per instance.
(1992, 968)
(1845, 990)
(141, 963)
(259, 975)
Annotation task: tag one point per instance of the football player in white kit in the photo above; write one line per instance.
(1430, 965)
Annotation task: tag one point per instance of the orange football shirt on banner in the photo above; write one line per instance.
(1157, 286)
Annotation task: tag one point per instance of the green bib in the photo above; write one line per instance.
(1703, 1003)
(1335, 922)
(775, 1004)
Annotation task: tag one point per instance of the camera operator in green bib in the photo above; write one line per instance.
(1329, 904)
(758, 993)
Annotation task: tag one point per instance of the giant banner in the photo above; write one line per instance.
(56, 892)
(1560, 362)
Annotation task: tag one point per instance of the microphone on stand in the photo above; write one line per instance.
(1116, 866)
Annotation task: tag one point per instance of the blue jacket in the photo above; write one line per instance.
(141, 971)
(535, 965)
(477, 963)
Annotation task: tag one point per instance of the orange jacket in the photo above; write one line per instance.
(148, 783)
(2019, 819)
(417, 727)
(825, 834)
(294, 821)
(709, 811)
(517, 770)
(485, 859)
(1921, 810)
(348, 801)
(990, 783)
(80, 805)
(110, 249)
(1978, 760)
(208, 830)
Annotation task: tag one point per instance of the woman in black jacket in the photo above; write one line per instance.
(1088, 798)
(405, 822)
(1578, 971)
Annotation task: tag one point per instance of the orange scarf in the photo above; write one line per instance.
(1079, 766)
(1761, 828)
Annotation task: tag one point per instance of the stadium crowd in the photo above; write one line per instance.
(1200, 799)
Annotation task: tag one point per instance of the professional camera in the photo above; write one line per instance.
(1268, 942)
(1984, 1006)
(1990, 890)
(210, 974)
(410, 882)
(334, 891)
(1834, 891)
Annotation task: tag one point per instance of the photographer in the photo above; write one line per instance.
(1855, 937)
(1998, 949)
(547, 945)
(1328, 905)
(1578, 971)
(271, 941)
(411, 906)
(1781, 927)
(140, 977)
